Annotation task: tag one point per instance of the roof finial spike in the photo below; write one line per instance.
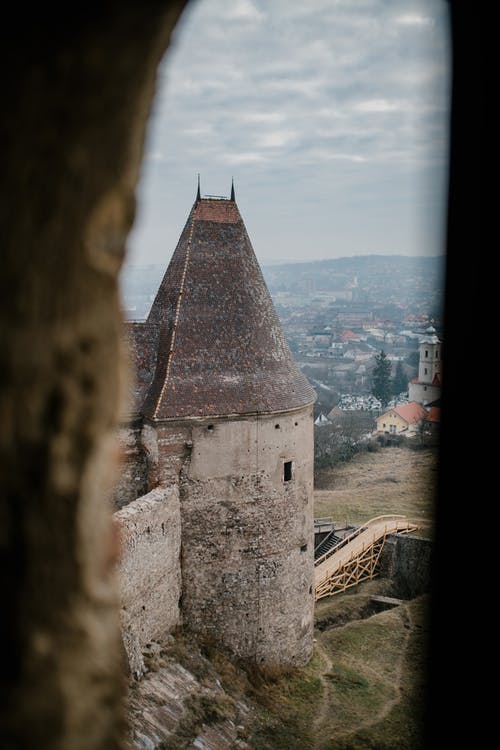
(198, 194)
(232, 189)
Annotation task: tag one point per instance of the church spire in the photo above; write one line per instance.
(232, 189)
(198, 194)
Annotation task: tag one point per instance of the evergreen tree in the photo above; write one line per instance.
(381, 383)
(399, 381)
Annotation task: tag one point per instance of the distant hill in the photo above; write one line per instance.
(139, 283)
(332, 273)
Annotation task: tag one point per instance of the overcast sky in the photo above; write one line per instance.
(331, 115)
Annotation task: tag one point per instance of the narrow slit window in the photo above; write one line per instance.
(287, 471)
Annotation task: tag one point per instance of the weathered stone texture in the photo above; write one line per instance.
(132, 479)
(170, 700)
(407, 560)
(150, 577)
(174, 447)
(247, 551)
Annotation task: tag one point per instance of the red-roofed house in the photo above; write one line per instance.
(434, 415)
(433, 419)
(404, 419)
(349, 335)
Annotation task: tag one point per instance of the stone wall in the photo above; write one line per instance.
(407, 561)
(168, 445)
(150, 577)
(132, 478)
(150, 456)
(247, 536)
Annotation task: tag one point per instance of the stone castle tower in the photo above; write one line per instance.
(222, 412)
(426, 387)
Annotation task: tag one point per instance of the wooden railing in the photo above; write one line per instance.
(355, 559)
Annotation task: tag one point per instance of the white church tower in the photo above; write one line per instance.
(427, 386)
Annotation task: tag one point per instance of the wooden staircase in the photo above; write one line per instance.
(355, 558)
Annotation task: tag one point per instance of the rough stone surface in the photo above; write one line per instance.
(132, 478)
(149, 571)
(172, 707)
(247, 537)
(407, 560)
(246, 530)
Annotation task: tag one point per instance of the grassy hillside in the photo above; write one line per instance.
(376, 686)
(392, 480)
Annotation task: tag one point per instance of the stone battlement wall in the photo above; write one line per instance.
(230, 522)
(407, 560)
(132, 480)
(150, 573)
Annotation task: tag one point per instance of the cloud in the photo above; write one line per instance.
(293, 96)
(243, 10)
(413, 19)
(329, 154)
(373, 106)
(261, 117)
(155, 156)
(276, 138)
(243, 158)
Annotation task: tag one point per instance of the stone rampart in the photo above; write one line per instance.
(150, 574)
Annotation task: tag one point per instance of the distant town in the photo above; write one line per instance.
(337, 316)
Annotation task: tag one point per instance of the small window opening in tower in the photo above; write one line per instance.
(210, 428)
(287, 471)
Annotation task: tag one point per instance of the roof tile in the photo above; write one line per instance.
(212, 343)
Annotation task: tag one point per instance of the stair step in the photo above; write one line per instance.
(326, 545)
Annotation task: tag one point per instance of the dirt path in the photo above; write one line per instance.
(389, 705)
(390, 481)
(322, 714)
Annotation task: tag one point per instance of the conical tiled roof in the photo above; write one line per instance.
(218, 342)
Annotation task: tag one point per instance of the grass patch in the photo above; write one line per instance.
(378, 681)
(393, 480)
(353, 604)
(286, 708)
(346, 679)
